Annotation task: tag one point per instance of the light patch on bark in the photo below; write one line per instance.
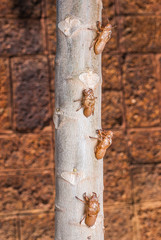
(56, 118)
(69, 25)
(73, 177)
(89, 79)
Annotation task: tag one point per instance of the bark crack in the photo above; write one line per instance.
(58, 208)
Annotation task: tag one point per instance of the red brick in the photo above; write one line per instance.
(147, 183)
(9, 154)
(149, 221)
(117, 172)
(52, 86)
(18, 8)
(108, 9)
(116, 155)
(5, 115)
(118, 223)
(112, 109)
(37, 150)
(26, 192)
(31, 93)
(141, 96)
(117, 185)
(140, 34)
(139, 7)
(40, 227)
(20, 36)
(8, 229)
(51, 9)
(26, 151)
(111, 72)
(145, 147)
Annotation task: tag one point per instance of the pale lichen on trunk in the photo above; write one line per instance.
(77, 170)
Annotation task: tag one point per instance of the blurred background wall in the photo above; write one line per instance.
(131, 108)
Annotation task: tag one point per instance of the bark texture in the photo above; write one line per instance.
(77, 170)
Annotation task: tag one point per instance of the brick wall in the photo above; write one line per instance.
(131, 108)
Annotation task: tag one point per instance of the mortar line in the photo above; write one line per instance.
(25, 171)
(45, 27)
(121, 71)
(117, 14)
(31, 212)
(110, 53)
(11, 92)
(138, 14)
(142, 129)
(158, 77)
(37, 132)
(18, 227)
(142, 164)
(43, 7)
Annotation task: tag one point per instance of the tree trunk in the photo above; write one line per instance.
(77, 170)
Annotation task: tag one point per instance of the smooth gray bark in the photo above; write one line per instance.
(77, 170)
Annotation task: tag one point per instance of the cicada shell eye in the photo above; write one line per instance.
(110, 133)
(84, 195)
(85, 92)
(108, 26)
(90, 91)
(94, 194)
(86, 198)
(98, 131)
